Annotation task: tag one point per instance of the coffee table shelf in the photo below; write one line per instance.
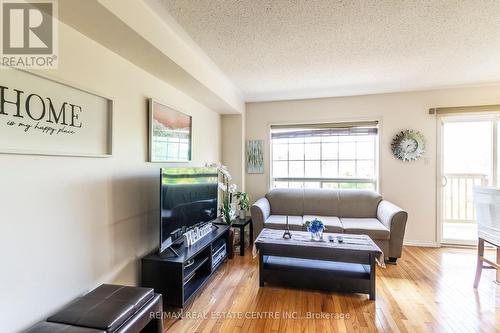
(299, 262)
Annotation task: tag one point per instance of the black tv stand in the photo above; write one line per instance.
(170, 248)
(178, 282)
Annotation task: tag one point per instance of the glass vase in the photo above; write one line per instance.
(317, 236)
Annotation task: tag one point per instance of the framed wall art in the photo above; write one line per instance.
(255, 156)
(42, 116)
(169, 134)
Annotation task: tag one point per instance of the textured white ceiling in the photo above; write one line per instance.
(303, 49)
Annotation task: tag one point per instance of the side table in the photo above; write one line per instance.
(241, 224)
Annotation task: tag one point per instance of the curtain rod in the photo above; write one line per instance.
(465, 109)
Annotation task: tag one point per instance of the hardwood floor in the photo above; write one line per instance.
(430, 290)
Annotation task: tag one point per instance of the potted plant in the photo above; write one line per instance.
(227, 207)
(228, 190)
(243, 204)
(316, 228)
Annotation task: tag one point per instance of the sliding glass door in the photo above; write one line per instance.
(469, 155)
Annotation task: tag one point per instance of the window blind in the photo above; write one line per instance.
(324, 130)
(465, 109)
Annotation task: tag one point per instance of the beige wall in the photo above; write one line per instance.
(69, 224)
(410, 185)
(233, 147)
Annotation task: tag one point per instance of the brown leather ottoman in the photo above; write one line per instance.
(114, 308)
(47, 327)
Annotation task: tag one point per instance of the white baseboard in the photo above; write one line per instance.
(421, 243)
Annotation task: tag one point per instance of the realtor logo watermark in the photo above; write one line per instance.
(29, 34)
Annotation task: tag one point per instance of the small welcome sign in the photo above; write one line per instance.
(44, 117)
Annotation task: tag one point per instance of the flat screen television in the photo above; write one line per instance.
(188, 196)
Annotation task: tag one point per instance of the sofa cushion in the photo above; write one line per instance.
(365, 226)
(358, 203)
(286, 201)
(324, 202)
(332, 223)
(279, 222)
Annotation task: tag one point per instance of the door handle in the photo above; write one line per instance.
(445, 181)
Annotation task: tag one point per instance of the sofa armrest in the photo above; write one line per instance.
(260, 211)
(394, 218)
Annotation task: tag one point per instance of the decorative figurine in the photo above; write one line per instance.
(287, 234)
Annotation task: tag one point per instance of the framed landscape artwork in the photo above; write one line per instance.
(255, 156)
(169, 134)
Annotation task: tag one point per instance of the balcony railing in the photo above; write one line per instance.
(458, 202)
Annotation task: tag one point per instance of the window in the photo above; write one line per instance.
(342, 155)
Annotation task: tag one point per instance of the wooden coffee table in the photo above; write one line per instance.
(304, 263)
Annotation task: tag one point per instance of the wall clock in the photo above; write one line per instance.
(408, 145)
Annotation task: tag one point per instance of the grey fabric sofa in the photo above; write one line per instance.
(342, 211)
